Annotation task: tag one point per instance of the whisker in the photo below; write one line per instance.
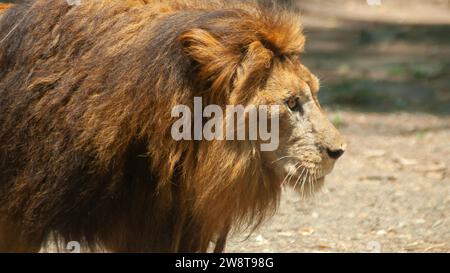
(297, 166)
(290, 173)
(284, 157)
(310, 182)
(300, 177)
(302, 189)
(284, 180)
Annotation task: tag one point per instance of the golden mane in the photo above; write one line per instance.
(5, 6)
(85, 147)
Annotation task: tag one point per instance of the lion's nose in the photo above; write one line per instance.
(335, 154)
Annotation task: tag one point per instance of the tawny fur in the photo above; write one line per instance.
(86, 94)
(4, 6)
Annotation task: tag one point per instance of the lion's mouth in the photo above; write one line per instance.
(308, 187)
(305, 178)
(305, 181)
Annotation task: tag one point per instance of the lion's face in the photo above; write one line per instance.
(309, 143)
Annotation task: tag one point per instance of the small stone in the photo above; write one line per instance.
(405, 161)
(381, 232)
(437, 223)
(260, 239)
(375, 153)
(420, 221)
(308, 231)
(436, 175)
(323, 247)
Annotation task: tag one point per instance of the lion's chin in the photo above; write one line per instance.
(309, 189)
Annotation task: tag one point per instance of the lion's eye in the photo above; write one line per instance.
(294, 104)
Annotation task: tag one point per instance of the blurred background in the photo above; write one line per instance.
(385, 72)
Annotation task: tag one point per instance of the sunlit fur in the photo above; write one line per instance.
(4, 6)
(86, 94)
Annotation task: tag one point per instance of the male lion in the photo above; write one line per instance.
(86, 93)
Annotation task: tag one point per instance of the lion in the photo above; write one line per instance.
(86, 93)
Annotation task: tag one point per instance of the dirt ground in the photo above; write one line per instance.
(385, 72)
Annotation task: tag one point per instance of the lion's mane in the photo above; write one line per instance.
(86, 94)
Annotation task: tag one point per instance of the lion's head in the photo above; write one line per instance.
(258, 62)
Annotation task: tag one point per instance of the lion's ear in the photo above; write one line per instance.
(216, 64)
(252, 71)
(240, 68)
